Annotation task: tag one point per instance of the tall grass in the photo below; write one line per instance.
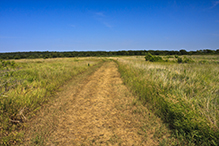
(38, 79)
(184, 95)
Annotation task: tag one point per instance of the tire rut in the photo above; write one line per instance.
(96, 108)
(92, 117)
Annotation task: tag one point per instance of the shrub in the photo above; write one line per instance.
(187, 60)
(184, 60)
(152, 58)
(180, 60)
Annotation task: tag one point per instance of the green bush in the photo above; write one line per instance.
(187, 60)
(179, 60)
(152, 58)
(184, 60)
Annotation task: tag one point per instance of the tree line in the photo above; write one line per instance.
(47, 54)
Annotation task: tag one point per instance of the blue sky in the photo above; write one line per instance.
(108, 25)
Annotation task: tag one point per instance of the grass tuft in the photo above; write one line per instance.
(183, 95)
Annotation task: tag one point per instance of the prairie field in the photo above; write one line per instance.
(185, 95)
(28, 83)
(164, 103)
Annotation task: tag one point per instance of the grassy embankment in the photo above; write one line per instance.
(26, 84)
(184, 95)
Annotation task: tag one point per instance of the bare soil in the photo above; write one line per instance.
(95, 109)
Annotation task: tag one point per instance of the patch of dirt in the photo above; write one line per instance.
(97, 110)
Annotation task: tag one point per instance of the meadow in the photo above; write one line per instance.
(25, 85)
(185, 95)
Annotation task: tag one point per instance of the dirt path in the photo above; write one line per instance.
(98, 111)
(93, 118)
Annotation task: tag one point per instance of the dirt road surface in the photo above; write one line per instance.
(98, 110)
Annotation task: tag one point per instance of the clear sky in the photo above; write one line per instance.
(108, 25)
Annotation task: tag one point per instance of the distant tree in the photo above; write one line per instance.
(16, 57)
(183, 52)
(209, 51)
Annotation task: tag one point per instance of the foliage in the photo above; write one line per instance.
(184, 60)
(7, 64)
(152, 58)
(179, 60)
(187, 60)
(45, 55)
(183, 52)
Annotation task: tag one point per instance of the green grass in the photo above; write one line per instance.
(27, 84)
(184, 95)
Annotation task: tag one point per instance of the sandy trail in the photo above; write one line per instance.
(94, 116)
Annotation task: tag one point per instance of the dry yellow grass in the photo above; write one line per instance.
(186, 93)
(39, 79)
(97, 109)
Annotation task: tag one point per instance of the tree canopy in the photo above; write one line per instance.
(47, 54)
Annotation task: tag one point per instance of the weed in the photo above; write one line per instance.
(37, 140)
